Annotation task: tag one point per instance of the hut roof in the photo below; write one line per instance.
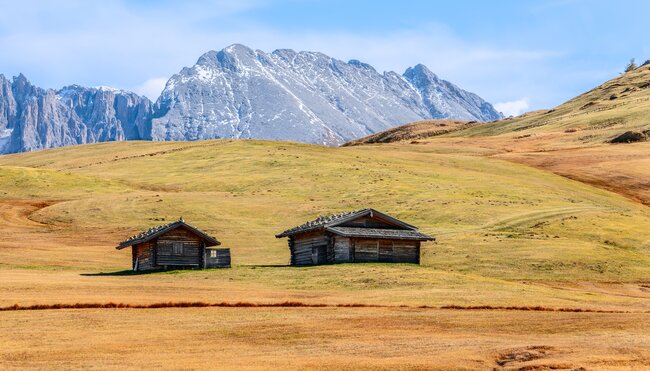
(337, 219)
(399, 234)
(154, 232)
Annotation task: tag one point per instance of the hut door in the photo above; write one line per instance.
(314, 255)
(319, 254)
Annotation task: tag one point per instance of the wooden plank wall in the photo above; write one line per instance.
(145, 255)
(309, 248)
(192, 255)
(342, 248)
(319, 248)
(365, 251)
(406, 251)
(222, 260)
(389, 251)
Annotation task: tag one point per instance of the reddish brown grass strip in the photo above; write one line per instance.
(530, 308)
(182, 304)
(292, 304)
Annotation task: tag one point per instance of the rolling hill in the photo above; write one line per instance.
(493, 218)
(508, 235)
(573, 139)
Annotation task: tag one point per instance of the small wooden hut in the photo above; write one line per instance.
(175, 245)
(358, 236)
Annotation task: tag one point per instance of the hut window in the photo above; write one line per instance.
(177, 248)
(213, 253)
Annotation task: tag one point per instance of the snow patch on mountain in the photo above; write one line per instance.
(237, 92)
(302, 96)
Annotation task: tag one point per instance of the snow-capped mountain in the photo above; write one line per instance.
(302, 96)
(237, 93)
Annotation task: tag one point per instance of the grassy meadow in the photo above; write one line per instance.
(507, 234)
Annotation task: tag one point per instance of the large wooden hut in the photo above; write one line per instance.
(175, 245)
(358, 236)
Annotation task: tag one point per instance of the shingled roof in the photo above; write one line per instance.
(379, 233)
(154, 232)
(337, 219)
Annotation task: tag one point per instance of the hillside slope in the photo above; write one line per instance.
(493, 218)
(597, 116)
(417, 130)
(572, 139)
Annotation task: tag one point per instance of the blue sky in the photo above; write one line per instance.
(519, 55)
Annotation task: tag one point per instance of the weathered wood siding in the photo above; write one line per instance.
(406, 251)
(368, 222)
(365, 251)
(179, 247)
(144, 256)
(309, 248)
(342, 249)
(217, 258)
(389, 251)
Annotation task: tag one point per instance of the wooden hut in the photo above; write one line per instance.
(358, 236)
(175, 245)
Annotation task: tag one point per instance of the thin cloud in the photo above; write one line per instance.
(124, 45)
(513, 108)
(151, 88)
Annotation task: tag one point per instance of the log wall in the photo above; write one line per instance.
(309, 248)
(143, 256)
(220, 260)
(321, 248)
(179, 247)
(389, 251)
(342, 250)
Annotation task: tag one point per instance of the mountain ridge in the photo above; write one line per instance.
(323, 100)
(236, 92)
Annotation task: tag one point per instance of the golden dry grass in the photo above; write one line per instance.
(570, 140)
(508, 235)
(413, 131)
(324, 338)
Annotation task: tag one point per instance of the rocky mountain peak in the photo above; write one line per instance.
(304, 96)
(420, 75)
(34, 118)
(237, 92)
(357, 63)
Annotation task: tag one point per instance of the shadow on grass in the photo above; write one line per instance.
(253, 266)
(127, 272)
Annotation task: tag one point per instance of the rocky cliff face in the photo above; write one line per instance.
(237, 93)
(301, 96)
(34, 118)
(445, 100)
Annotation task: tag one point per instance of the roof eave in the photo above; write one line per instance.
(370, 211)
(287, 233)
(422, 237)
(170, 227)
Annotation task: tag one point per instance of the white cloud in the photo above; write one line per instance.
(151, 88)
(513, 108)
(120, 44)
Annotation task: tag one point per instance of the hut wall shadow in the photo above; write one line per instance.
(126, 272)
